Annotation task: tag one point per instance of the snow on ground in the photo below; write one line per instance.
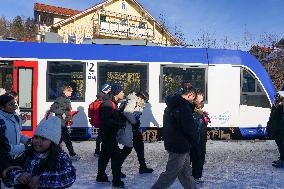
(229, 164)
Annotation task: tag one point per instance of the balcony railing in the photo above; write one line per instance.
(115, 28)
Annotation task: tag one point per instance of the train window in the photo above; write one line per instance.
(252, 93)
(173, 77)
(132, 77)
(66, 73)
(6, 75)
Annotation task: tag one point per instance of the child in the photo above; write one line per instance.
(44, 164)
(62, 109)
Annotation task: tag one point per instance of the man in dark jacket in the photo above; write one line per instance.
(111, 121)
(275, 128)
(62, 109)
(179, 136)
(104, 94)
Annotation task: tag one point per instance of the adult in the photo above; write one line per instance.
(104, 94)
(179, 137)
(11, 125)
(275, 127)
(111, 121)
(131, 136)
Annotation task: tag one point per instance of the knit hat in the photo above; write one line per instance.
(2, 91)
(116, 89)
(187, 87)
(50, 129)
(144, 95)
(105, 87)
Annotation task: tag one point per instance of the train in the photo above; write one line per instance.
(238, 91)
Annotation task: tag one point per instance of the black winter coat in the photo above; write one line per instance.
(111, 119)
(62, 105)
(275, 125)
(179, 131)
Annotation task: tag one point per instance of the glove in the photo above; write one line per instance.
(136, 125)
(28, 144)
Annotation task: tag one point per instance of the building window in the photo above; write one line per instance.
(123, 21)
(132, 77)
(66, 73)
(142, 25)
(172, 79)
(252, 93)
(72, 38)
(103, 18)
(124, 6)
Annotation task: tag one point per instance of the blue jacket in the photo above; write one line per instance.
(179, 132)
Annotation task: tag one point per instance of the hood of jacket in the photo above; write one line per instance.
(174, 101)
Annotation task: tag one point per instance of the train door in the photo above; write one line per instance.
(254, 106)
(25, 83)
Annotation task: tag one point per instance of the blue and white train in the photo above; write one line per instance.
(238, 90)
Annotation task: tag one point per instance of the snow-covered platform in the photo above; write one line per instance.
(229, 164)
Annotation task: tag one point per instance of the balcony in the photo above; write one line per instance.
(124, 30)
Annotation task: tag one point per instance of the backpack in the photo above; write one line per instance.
(94, 113)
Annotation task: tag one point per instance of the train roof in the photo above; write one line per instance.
(138, 53)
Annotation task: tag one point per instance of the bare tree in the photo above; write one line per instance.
(4, 27)
(17, 29)
(176, 30)
(30, 29)
(179, 35)
(205, 39)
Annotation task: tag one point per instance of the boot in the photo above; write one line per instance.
(122, 175)
(102, 178)
(118, 184)
(145, 169)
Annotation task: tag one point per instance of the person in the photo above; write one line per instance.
(18, 112)
(111, 121)
(11, 126)
(44, 164)
(5, 148)
(104, 94)
(179, 133)
(198, 152)
(275, 127)
(62, 109)
(131, 136)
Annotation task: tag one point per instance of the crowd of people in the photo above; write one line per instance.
(39, 162)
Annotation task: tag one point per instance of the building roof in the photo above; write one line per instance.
(55, 10)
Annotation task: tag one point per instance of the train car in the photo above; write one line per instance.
(238, 90)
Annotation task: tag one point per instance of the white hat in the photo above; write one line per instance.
(281, 93)
(2, 91)
(50, 129)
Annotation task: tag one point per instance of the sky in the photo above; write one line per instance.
(218, 18)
